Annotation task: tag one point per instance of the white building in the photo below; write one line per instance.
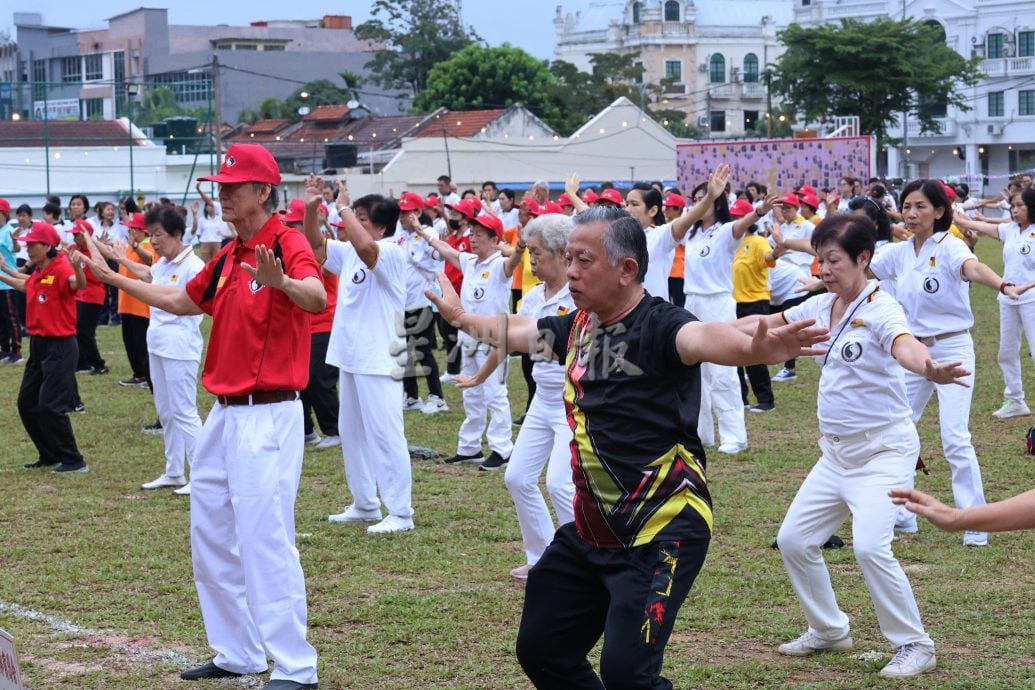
(997, 136)
(708, 57)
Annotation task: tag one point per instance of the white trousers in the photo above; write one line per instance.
(953, 420)
(1015, 319)
(175, 383)
(242, 528)
(488, 398)
(853, 477)
(720, 387)
(377, 459)
(544, 439)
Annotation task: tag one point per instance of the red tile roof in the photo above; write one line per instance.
(463, 123)
(267, 126)
(63, 133)
(328, 113)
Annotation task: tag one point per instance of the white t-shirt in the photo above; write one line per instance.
(111, 233)
(861, 386)
(798, 229)
(367, 336)
(509, 218)
(1018, 259)
(486, 288)
(213, 229)
(547, 373)
(661, 250)
(169, 335)
(929, 285)
(708, 266)
(424, 262)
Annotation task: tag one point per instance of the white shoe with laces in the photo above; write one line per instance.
(434, 405)
(1012, 408)
(183, 490)
(732, 448)
(410, 404)
(391, 524)
(354, 514)
(312, 438)
(975, 538)
(810, 643)
(786, 374)
(329, 442)
(910, 660)
(163, 482)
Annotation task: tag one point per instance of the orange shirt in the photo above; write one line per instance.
(678, 265)
(128, 304)
(524, 279)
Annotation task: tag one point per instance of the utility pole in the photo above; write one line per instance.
(218, 117)
(905, 123)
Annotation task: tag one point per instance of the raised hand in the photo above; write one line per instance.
(195, 206)
(313, 193)
(448, 302)
(768, 202)
(772, 346)
(718, 179)
(267, 269)
(571, 185)
(342, 200)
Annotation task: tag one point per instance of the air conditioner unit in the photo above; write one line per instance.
(995, 129)
(702, 68)
(702, 120)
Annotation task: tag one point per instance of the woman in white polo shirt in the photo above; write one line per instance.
(1015, 316)
(863, 454)
(932, 273)
(485, 291)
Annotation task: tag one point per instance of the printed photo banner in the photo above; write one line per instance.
(780, 164)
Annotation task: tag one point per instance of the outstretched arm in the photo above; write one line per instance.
(724, 343)
(914, 356)
(965, 223)
(1002, 516)
(509, 333)
(977, 272)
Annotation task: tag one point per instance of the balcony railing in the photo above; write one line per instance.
(755, 90)
(722, 91)
(1008, 67)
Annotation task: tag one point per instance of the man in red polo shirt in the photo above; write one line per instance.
(259, 289)
(49, 380)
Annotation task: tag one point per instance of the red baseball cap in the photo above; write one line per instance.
(790, 200)
(41, 232)
(135, 221)
(547, 208)
(610, 196)
(564, 201)
(246, 163)
(490, 223)
(590, 197)
(949, 191)
(411, 201)
(476, 204)
(530, 204)
(432, 200)
(295, 212)
(5, 206)
(806, 189)
(674, 201)
(810, 200)
(741, 208)
(80, 227)
(465, 208)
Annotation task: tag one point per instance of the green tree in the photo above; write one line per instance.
(875, 70)
(418, 34)
(479, 77)
(156, 105)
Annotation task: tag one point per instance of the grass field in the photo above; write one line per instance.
(435, 608)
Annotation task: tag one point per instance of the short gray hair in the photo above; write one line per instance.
(623, 238)
(540, 183)
(552, 230)
(272, 201)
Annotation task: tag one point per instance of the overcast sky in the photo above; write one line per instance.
(528, 24)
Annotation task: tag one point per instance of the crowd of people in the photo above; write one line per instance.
(659, 306)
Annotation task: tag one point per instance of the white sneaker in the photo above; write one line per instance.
(354, 514)
(391, 524)
(910, 660)
(163, 482)
(1012, 408)
(810, 643)
(975, 538)
(732, 448)
(446, 378)
(410, 404)
(329, 442)
(312, 438)
(786, 374)
(434, 405)
(183, 490)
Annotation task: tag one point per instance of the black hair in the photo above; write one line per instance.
(472, 192)
(54, 199)
(1028, 197)
(651, 197)
(721, 208)
(853, 234)
(874, 212)
(508, 192)
(52, 253)
(878, 191)
(932, 189)
(489, 183)
(26, 209)
(170, 220)
(383, 212)
(445, 178)
(129, 204)
(623, 239)
(81, 197)
(51, 209)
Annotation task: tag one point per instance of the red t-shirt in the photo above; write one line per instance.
(461, 244)
(260, 338)
(93, 293)
(50, 301)
(321, 323)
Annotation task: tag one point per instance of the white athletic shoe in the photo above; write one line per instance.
(354, 514)
(732, 448)
(786, 374)
(910, 660)
(329, 442)
(446, 378)
(391, 524)
(434, 405)
(975, 538)
(163, 482)
(410, 404)
(1012, 408)
(312, 438)
(183, 490)
(810, 643)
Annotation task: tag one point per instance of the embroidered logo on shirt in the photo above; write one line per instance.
(931, 261)
(705, 251)
(359, 276)
(47, 280)
(1025, 249)
(254, 285)
(931, 284)
(174, 278)
(857, 323)
(42, 298)
(479, 293)
(485, 275)
(851, 351)
(561, 311)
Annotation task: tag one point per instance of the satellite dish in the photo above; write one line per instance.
(353, 104)
(303, 111)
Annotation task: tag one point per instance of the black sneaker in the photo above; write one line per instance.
(99, 371)
(133, 381)
(38, 464)
(762, 407)
(460, 458)
(79, 407)
(155, 428)
(493, 462)
(73, 467)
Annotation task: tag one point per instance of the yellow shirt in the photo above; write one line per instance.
(751, 270)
